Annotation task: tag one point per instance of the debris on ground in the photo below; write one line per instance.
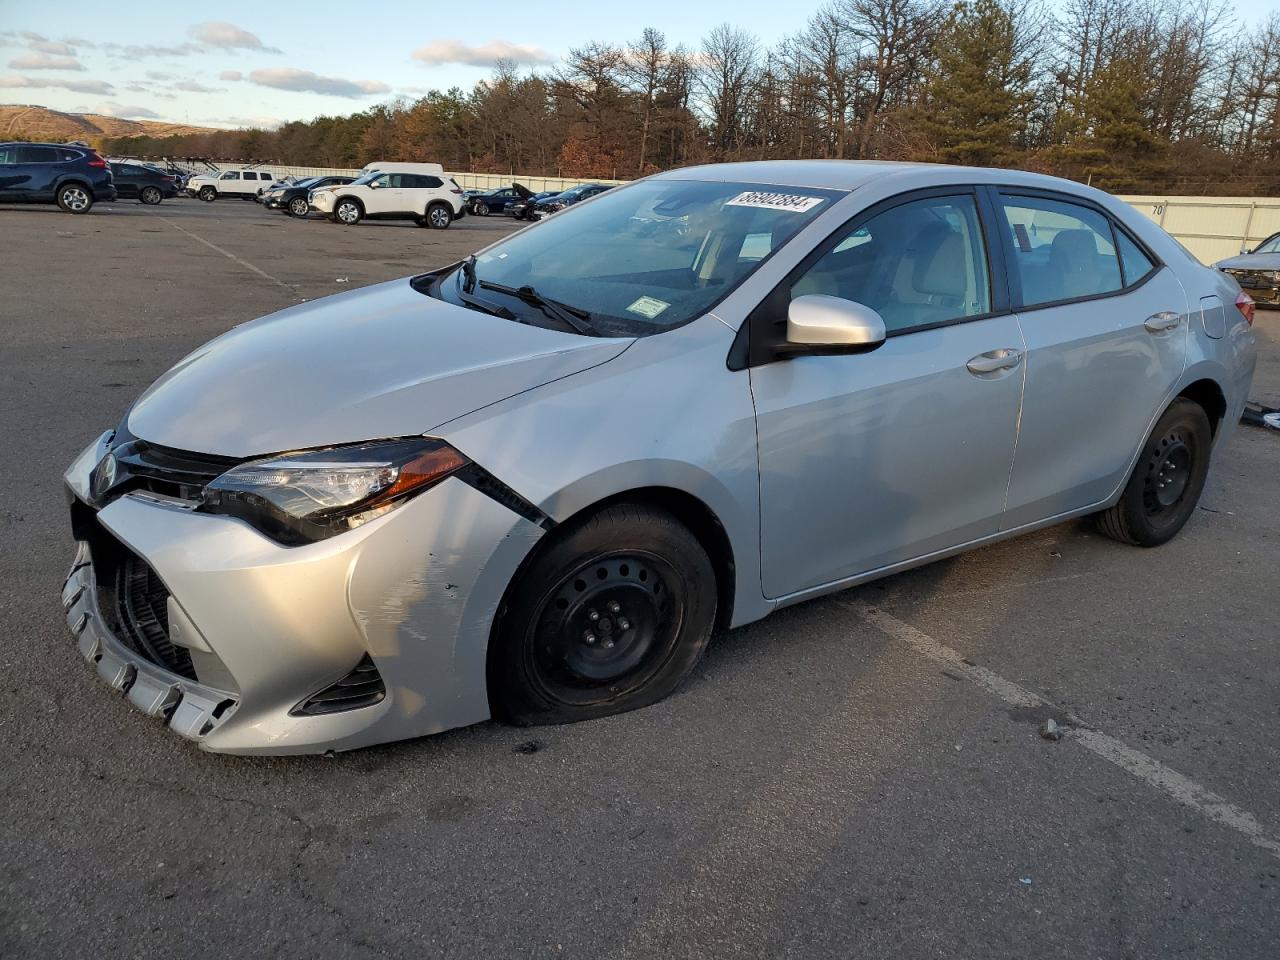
(1025, 881)
(1050, 730)
(529, 746)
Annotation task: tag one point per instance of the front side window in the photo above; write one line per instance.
(1061, 251)
(918, 264)
(646, 257)
(231, 175)
(8, 154)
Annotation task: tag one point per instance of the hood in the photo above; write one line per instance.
(1251, 261)
(384, 361)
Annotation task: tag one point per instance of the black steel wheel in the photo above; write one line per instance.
(1166, 483)
(612, 614)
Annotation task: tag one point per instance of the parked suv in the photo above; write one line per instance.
(431, 200)
(70, 175)
(244, 184)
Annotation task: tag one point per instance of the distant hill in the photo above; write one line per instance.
(41, 123)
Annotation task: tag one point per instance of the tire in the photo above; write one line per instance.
(610, 615)
(1166, 482)
(298, 207)
(439, 216)
(208, 194)
(348, 212)
(480, 209)
(151, 196)
(75, 198)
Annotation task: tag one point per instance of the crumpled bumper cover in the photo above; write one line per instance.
(191, 709)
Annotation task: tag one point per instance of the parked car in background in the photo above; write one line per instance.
(523, 209)
(567, 198)
(241, 184)
(429, 199)
(292, 198)
(533, 483)
(148, 184)
(497, 201)
(1257, 270)
(71, 175)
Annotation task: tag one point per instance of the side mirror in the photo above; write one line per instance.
(374, 184)
(1245, 249)
(817, 323)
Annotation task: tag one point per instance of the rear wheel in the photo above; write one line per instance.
(480, 209)
(348, 212)
(439, 216)
(1167, 480)
(150, 196)
(613, 614)
(298, 206)
(208, 194)
(75, 198)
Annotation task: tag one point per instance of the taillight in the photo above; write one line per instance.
(96, 161)
(1245, 304)
(456, 190)
(169, 179)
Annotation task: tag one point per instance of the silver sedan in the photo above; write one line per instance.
(530, 485)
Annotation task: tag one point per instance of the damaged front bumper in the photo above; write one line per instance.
(233, 639)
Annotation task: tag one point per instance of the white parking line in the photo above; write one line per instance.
(1147, 769)
(231, 256)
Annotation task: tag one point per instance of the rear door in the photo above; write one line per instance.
(1106, 330)
(41, 167)
(872, 459)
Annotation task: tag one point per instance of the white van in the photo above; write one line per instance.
(393, 191)
(394, 166)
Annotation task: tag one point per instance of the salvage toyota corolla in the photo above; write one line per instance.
(530, 485)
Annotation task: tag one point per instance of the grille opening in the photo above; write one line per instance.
(362, 687)
(134, 602)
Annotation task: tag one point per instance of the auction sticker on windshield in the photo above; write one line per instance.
(648, 307)
(774, 201)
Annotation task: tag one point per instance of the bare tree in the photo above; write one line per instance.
(726, 76)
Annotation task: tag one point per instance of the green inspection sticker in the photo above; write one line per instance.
(648, 307)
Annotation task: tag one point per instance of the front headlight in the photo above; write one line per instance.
(308, 496)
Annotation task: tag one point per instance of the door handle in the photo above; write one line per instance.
(994, 360)
(1160, 322)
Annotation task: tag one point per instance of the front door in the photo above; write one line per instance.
(872, 459)
(1106, 329)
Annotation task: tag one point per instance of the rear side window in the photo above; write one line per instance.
(1061, 251)
(1133, 261)
(37, 155)
(919, 264)
(420, 182)
(8, 154)
(68, 155)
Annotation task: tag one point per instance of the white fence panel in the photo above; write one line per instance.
(1213, 228)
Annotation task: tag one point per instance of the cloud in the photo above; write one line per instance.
(261, 123)
(191, 86)
(439, 52)
(291, 78)
(130, 51)
(79, 86)
(125, 111)
(227, 36)
(158, 75)
(51, 46)
(232, 75)
(44, 61)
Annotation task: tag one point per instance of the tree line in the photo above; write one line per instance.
(1168, 96)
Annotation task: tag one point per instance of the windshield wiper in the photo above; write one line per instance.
(469, 274)
(579, 320)
(495, 309)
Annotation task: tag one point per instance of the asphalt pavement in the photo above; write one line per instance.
(859, 776)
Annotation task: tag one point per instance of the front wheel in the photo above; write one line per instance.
(480, 209)
(1166, 482)
(74, 198)
(348, 212)
(298, 206)
(611, 615)
(439, 217)
(208, 194)
(150, 196)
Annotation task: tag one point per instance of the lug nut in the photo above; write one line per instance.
(593, 616)
(608, 644)
(589, 637)
(615, 606)
(624, 624)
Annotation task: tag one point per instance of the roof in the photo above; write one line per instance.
(851, 174)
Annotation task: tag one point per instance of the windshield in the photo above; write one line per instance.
(366, 177)
(306, 182)
(647, 257)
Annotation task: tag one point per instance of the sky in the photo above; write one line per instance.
(260, 63)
